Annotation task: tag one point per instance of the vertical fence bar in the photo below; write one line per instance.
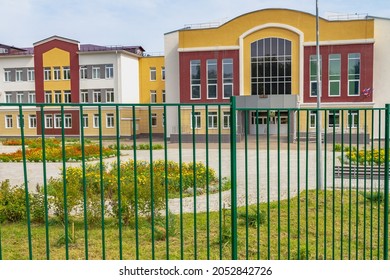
(45, 194)
(167, 214)
(365, 185)
(357, 189)
(135, 182)
(151, 179)
(85, 212)
(102, 183)
(220, 178)
(372, 186)
(268, 189)
(64, 182)
(118, 164)
(180, 182)
(298, 185)
(27, 199)
(386, 187)
(342, 187)
(258, 213)
(194, 126)
(318, 172)
(307, 184)
(246, 182)
(278, 168)
(288, 186)
(233, 165)
(207, 184)
(326, 115)
(379, 184)
(334, 182)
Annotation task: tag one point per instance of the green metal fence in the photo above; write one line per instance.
(204, 181)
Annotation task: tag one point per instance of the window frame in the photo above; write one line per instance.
(195, 83)
(212, 119)
(334, 78)
(32, 121)
(198, 119)
(110, 120)
(212, 82)
(152, 74)
(9, 123)
(350, 75)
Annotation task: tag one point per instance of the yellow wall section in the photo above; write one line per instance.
(267, 33)
(56, 58)
(146, 85)
(228, 34)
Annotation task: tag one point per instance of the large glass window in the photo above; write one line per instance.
(196, 121)
(212, 79)
(212, 120)
(334, 74)
(271, 66)
(353, 73)
(109, 71)
(313, 74)
(195, 79)
(227, 75)
(153, 73)
(334, 118)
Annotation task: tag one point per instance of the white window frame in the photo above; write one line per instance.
(83, 72)
(354, 114)
(66, 72)
(212, 82)
(96, 72)
(57, 121)
(312, 119)
(227, 81)
(67, 121)
(7, 76)
(8, 121)
(48, 97)
(153, 73)
(84, 96)
(110, 97)
(334, 57)
(67, 96)
(47, 73)
(18, 75)
(30, 75)
(97, 96)
(153, 96)
(31, 97)
(212, 119)
(85, 121)
(49, 121)
(110, 120)
(96, 121)
(350, 58)
(334, 113)
(32, 121)
(226, 119)
(57, 73)
(18, 120)
(195, 83)
(313, 78)
(19, 97)
(164, 97)
(109, 72)
(163, 73)
(57, 97)
(198, 119)
(8, 97)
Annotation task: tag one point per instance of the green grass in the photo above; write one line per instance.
(344, 233)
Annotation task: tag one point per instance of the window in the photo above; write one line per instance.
(212, 79)
(49, 121)
(19, 97)
(84, 96)
(47, 73)
(312, 118)
(85, 121)
(334, 74)
(97, 97)
(95, 72)
(8, 121)
(163, 73)
(196, 120)
(110, 96)
(271, 66)
(96, 121)
(334, 118)
(109, 71)
(32, 121)
(313, 74)
(56, 73)
(227, 74)
(226, 120)
(259, 117)
(7, 76)
(57, 97)
(110, 120)
(68, 121)
(67, 96)
(164, 96)
(83, 72)
(153, 96)
(8, 97)
(18, 76)
(353, 118)
(30, 75)
(66, 72)
(353, 74)
(195, 79)
(212, 120)
(48, 97)
(154, 119)
(31, 97)
(153, 73)
(57, 121)
(18, 121)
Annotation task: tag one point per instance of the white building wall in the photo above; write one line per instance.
(15, 62)
(381, 84)
(128, 79)
(172, 78)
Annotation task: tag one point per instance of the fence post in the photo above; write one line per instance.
(386, 194)
(233, 166)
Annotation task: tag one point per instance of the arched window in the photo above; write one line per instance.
(271, 67)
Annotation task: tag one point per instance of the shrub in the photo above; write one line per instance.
(37, 206)
(12, 202)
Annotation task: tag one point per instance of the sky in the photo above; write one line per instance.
(144, 22)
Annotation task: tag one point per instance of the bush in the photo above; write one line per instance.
(37, 206)
(12, 202)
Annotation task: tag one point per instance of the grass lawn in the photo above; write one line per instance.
(324, 225)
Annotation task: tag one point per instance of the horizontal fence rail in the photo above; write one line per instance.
(193, 181)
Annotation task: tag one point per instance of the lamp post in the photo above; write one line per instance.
(319, 94)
